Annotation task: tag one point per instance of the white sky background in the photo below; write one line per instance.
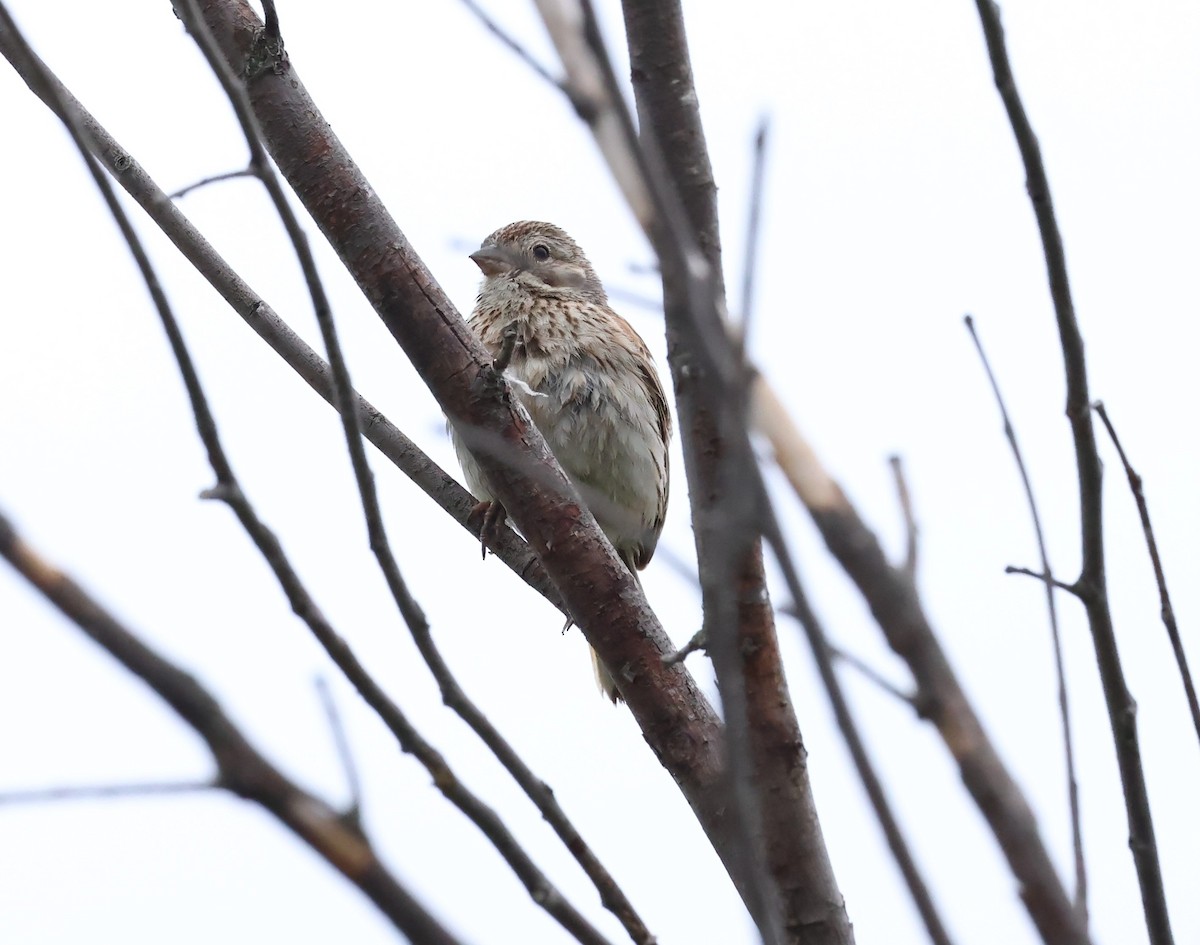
(895, 204)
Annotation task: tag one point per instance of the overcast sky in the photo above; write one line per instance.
(895, 205)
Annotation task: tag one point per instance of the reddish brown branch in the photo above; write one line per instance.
(599, 592)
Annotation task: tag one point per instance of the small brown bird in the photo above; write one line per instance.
(586, 378)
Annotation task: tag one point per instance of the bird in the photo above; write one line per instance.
(588, 381)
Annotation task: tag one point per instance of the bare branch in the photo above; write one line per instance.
(537, 883)
(507, 40)
(88, 792)
(818, 641)
(778, 830)
(588, 87)
(1160, 578)
(869, 672)
(242, 768)
(389, 439)
(600, 593)
(689, 286)
(753, 231)
(699, 641)
(1122, 710)
(1043, 577)
(896, 606)
(354, 811)
(216, 178)
(910, 519)
(377, 428)
(1055, 636)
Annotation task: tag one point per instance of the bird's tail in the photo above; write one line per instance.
(604, 677)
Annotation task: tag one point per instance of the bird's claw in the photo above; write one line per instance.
(491, 517)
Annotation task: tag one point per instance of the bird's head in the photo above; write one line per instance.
(539, 258)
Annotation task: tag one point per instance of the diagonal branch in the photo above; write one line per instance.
(598, 590)
(1055, 637)
(410, 610)
(1092, 587)
(1160, 578)
(383, 434)
(241, 768)
(390, 441)
(229, 490)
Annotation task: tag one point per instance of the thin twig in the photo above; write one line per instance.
(507, 40)
(1044, 578)
(543, 892)
(87, 792)
(911, 532)
(216, 178)
(342, 743)
(242, 769)
(753, 230)
(869, 672)
(1167, 611)
(699, 641)
(1122, 710)
(1064, 713)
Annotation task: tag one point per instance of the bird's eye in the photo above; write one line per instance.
(541, 252)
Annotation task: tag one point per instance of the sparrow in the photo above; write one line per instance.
(588, 381)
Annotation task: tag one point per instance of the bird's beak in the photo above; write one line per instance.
(491, 260)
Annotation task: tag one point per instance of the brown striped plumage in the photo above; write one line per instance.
(586, 378)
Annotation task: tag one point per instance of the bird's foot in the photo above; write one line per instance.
(491, 517)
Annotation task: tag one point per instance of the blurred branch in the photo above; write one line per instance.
(667, 100)
(1041, 576)
(711, 396)
(734, 493)
(1093, 591)
(697, 642)
(910, 519)
(1055, 636)
(586, 83)
(242, 769)
(753, 231)
(1160, 578)
(507, 39)
(858, 751)
(873, 675)
(89, 792)
(791, 890)
(895, 604)
(354, 810)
